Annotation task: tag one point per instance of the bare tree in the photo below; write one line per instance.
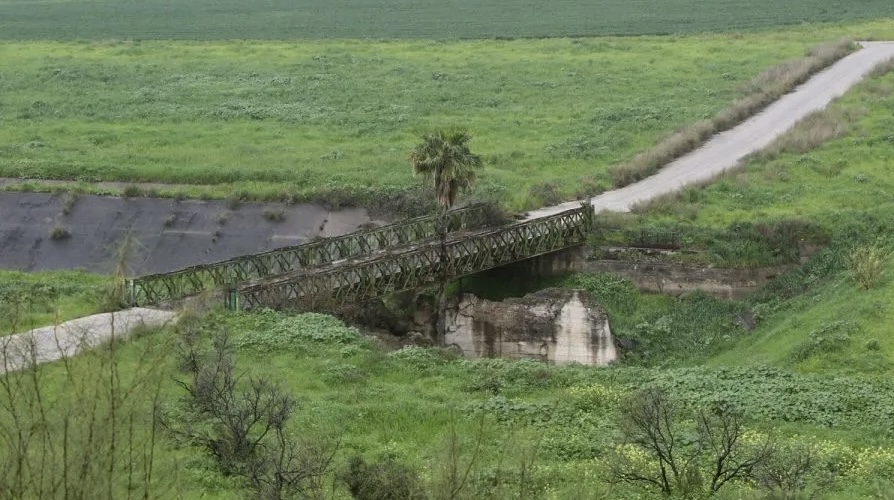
(682, 460)
(243, 423)
(457, 462)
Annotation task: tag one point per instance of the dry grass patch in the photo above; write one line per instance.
(812, 132)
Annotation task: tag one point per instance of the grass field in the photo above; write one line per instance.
(33, 300)
(555, 426)
(314, 116)
(430, 19)
(833, 171)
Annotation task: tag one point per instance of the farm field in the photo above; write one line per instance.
(429, 19)
(299, 120)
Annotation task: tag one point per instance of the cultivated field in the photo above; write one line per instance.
(301, 119)
(430, 19)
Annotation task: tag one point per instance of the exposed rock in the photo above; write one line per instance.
(554, 325)
(625, 344)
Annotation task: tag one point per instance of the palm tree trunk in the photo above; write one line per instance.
(441, 324)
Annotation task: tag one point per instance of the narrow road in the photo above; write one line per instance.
(725, 150)
(52, 343)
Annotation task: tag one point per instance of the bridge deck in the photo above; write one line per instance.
(415, 265)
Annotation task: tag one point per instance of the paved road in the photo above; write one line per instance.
(55, 342)
(725, 150)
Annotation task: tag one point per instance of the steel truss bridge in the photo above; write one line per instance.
(369, 263)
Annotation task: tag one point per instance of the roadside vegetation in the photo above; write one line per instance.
(831, 315)
(33, 300)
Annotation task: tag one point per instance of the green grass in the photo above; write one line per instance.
(283, 19)
(402, 405)
(32, 300)
(845, 184)
(826, 183)
(312, 117)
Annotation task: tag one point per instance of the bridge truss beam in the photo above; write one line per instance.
(416, 266)
(162, 287)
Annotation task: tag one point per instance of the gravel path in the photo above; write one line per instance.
(56, 342)
(725, 150)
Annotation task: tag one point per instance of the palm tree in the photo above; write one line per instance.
(444, 158)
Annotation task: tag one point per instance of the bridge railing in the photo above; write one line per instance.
(189, 281)
(418, 266)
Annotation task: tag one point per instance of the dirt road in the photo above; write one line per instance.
(725, 150)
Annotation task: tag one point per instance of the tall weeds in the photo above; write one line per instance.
(82, 429)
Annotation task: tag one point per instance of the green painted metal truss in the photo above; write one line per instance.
(162, 287)
(415, 265)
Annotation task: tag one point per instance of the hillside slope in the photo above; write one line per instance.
(833, 170)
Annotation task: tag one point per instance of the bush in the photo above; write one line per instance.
(272, 215)
(297, 332)
(868, 265)
(243, 424)
(828, 338)
(546, 194)
(422, 359)
(59, 233)
(386, 479)
(132, 191)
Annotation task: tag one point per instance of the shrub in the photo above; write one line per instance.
(868, 265)
(386, 479)
(69, 198)
(491, 214)
(59, 233)
(422, 359)
(545, 194)
(233, 202)
(243, 424)
(277, 215)
(296, 332)
(132, 191)
(828, 338)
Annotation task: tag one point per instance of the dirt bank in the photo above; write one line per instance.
(41, 231)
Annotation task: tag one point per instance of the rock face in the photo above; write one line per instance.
(554, 325)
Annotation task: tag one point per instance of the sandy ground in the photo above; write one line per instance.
(170, 234)
(56, 342)
(724, 151)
